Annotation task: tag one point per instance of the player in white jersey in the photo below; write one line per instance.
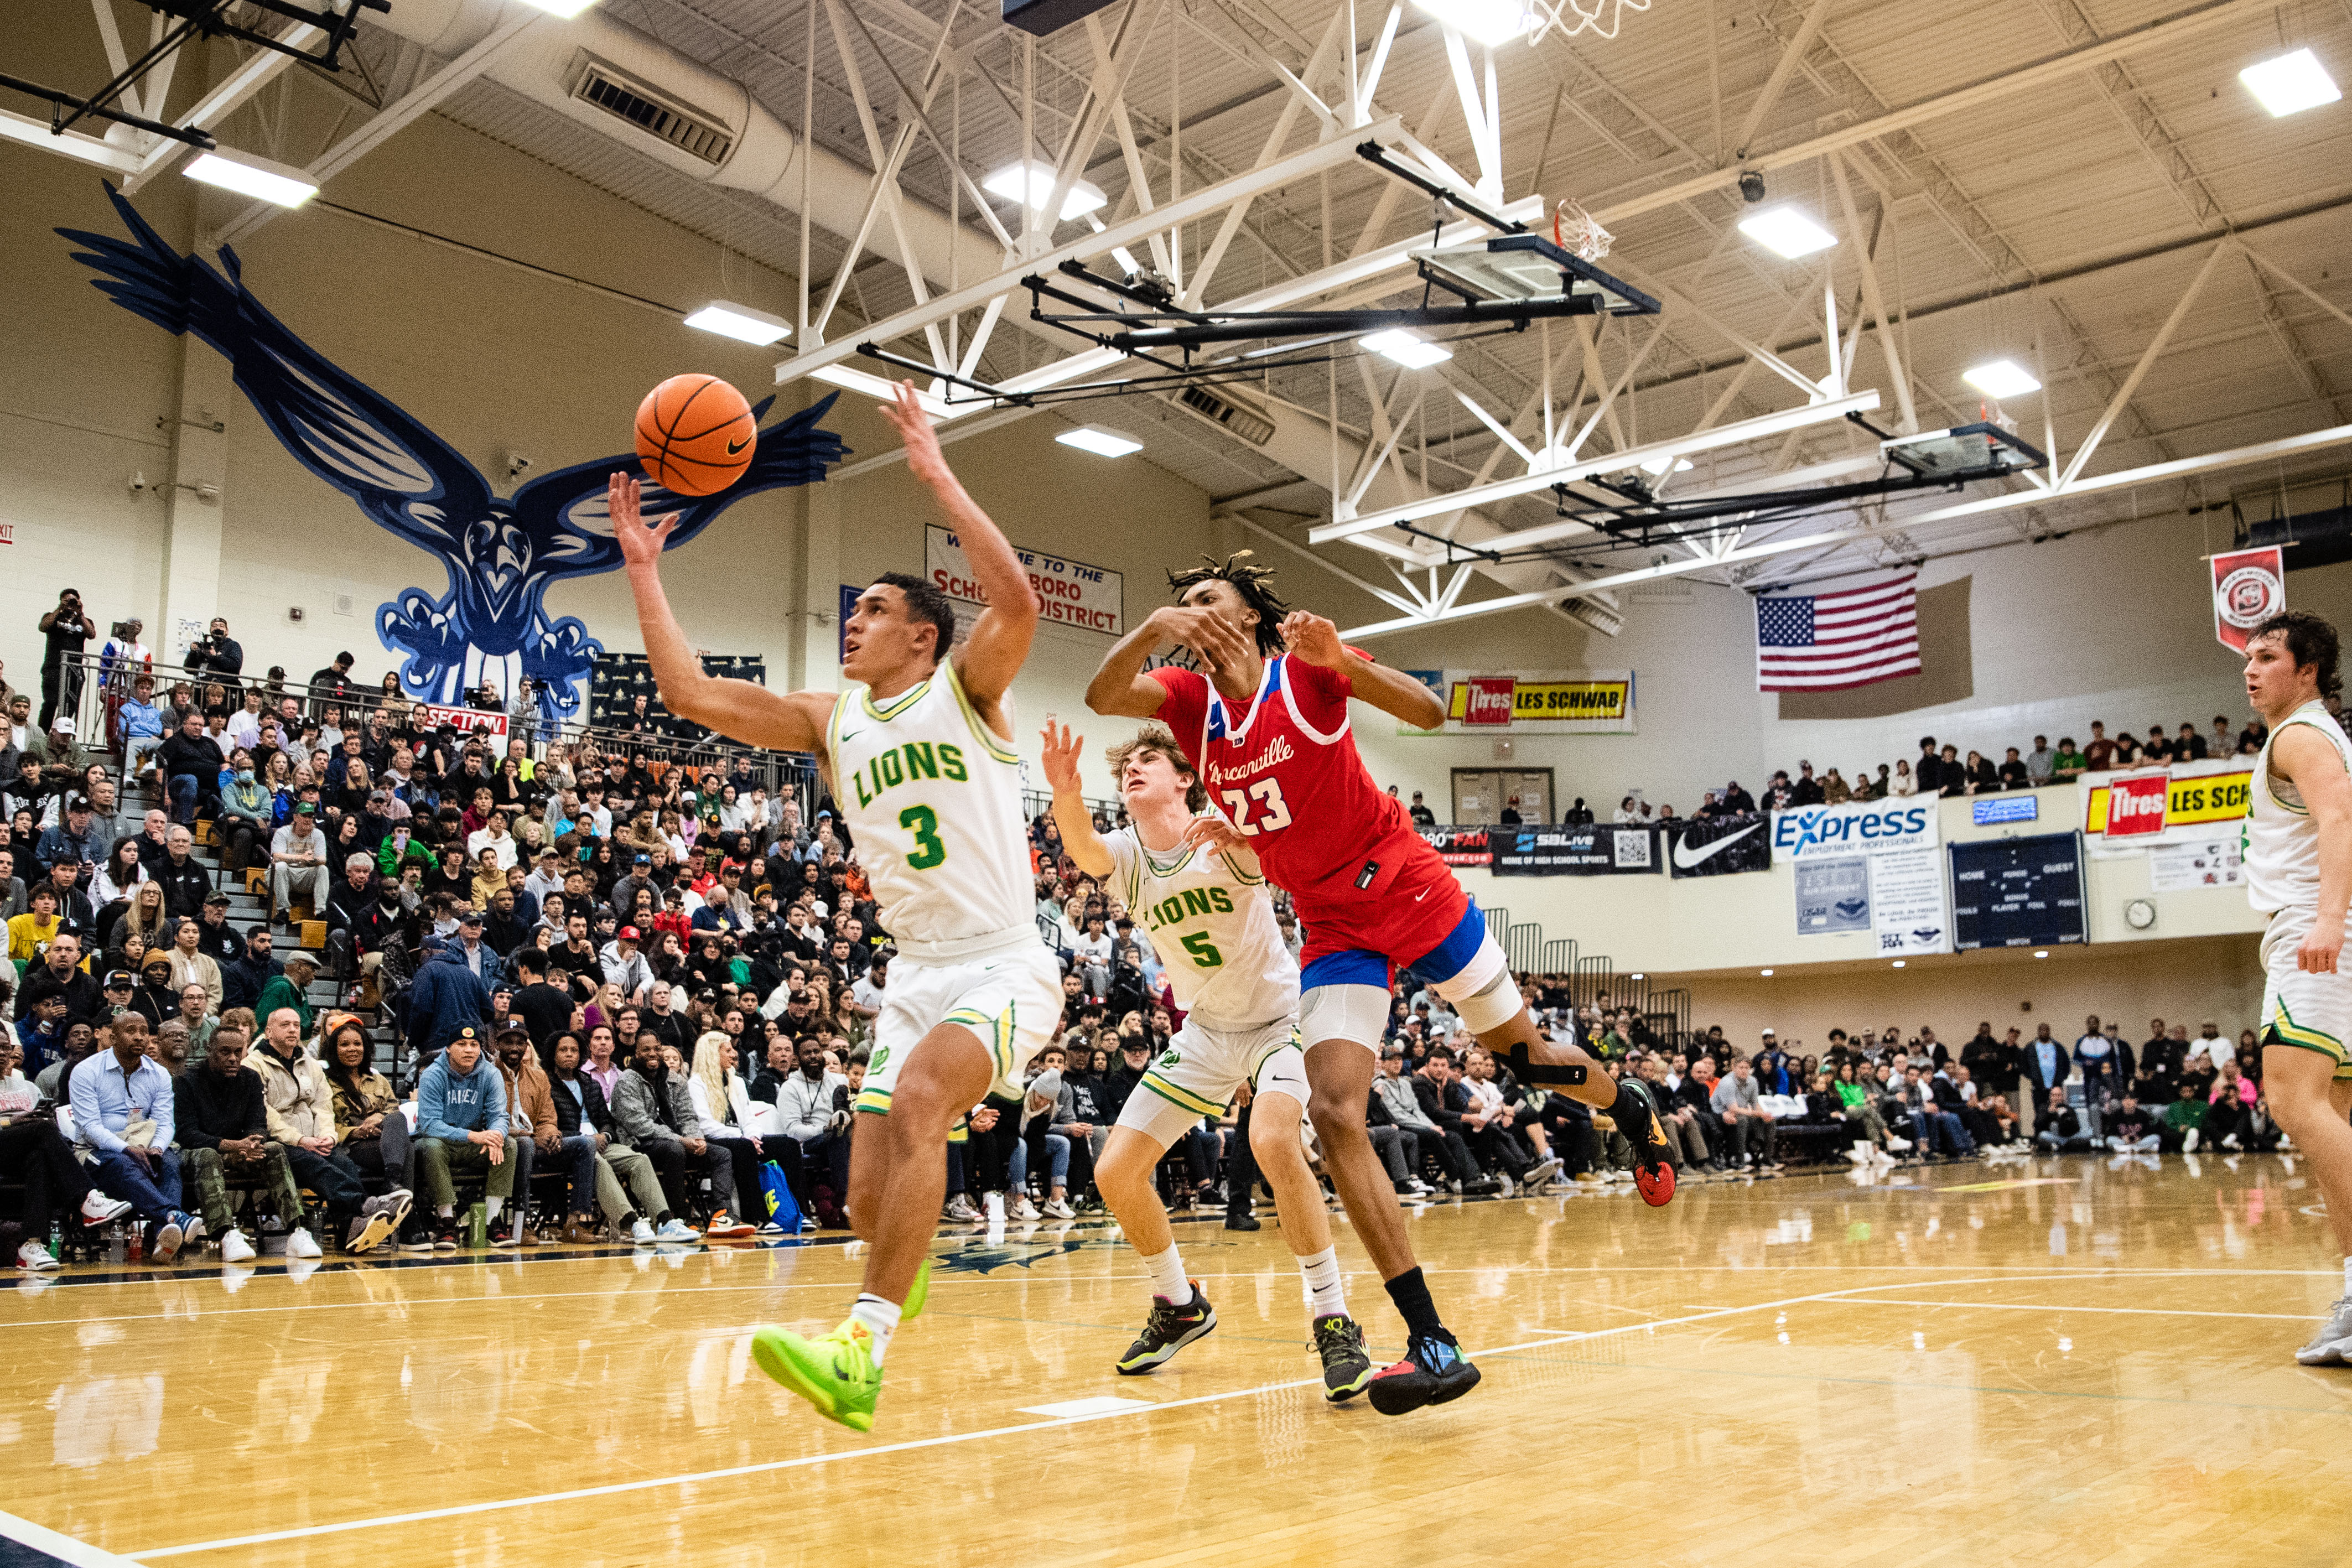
(2298, 863)
(1212, 925)
(923, 770)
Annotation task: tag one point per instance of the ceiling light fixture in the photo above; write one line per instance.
(2000, 378)
(884, 390)
(1490, 22)
(2290, 83)
(1787, 232)
(2042, 953)
(567, 9)
(251, 176)
(1102, 443)
(1767, 973)
(1407, 348)
(741, 322)
(1659, 466)
(1037, 187)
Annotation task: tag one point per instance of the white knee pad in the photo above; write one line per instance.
(1482, 991)
(1357, 1013)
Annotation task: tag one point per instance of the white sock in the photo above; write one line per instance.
(880, 1318)
(492, 1207)
(1321, 1273)
(448, 1211)
(2348, 1275)
(1168, 1279)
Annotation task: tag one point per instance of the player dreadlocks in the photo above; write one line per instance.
(1252, 582)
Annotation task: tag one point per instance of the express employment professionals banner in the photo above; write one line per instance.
(1530, 703)
(1075, 594)
(1873, 866)
(1597, 850)
(1718, 845)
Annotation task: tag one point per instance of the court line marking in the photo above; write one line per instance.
(2136, 1311)
(499, 1505)
(64, 1549)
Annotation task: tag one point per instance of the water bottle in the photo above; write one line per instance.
(114, 1242)
(138, 1244)
(478, 1227)
(56, 1240)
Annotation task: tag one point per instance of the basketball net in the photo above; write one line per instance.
(1573, 16)
(1575, 230)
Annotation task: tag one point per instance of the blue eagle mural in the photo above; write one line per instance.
(501, 553)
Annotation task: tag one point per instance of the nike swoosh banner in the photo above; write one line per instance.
(1075, 594)
(1718, 845)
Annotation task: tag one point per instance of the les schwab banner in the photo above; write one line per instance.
(1531, 702)
(2126, 810)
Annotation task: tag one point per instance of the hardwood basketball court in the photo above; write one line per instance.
(2035, 1360)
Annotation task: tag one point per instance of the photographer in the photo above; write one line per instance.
(219, 653)
(68, 629)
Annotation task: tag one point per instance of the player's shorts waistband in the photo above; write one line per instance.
(1002, 943)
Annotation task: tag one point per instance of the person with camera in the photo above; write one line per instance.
(218, 653)
(68, 629)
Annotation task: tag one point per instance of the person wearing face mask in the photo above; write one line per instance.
(248, 815)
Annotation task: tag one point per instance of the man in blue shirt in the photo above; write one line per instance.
(2046, 1066)
(123, 1111)
(461, 1125)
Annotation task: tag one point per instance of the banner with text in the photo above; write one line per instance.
(2249, 588)
(2187, 803)
(1093, 598)
(1595, 851)
(1888, 875)
(1459, 845)
(1531, 702)
(465, 721)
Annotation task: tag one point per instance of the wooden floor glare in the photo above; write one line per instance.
(2077, 1362)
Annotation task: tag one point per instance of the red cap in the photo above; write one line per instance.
(629, 934)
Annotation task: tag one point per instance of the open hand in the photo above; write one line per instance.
(1213, 831)
(641, 545)
(1062, 756)
(1206, 632)
(914, 428)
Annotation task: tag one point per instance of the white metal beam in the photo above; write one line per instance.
(262, 67)
(1730, 434)
(2152, 473)
(1194, 204)
(32, 132)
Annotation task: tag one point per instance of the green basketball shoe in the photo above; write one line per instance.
(836, 1373)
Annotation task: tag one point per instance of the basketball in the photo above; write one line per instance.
(694, 435)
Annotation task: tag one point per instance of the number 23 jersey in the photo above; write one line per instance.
(934, 803)
(1286, 775)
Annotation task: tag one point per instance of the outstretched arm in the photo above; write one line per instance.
(740, 709)
(1079, 840)
(1119, 688)
(1001, 637)
(1316, 640)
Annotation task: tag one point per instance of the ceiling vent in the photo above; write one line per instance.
(690, 130)
(1222, 408)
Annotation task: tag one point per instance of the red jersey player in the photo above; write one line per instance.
(1267, 728)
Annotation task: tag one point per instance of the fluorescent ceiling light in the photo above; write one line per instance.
(2290, 82)
(2000, 378)
(1785, 231)
(1126, 259)
(884, 390)
(741, 322)
(567, 9)
(251, 176)
(1491, 22)
(1037, 188)
(1660, 465)
(1407, 348)
(1101, 442)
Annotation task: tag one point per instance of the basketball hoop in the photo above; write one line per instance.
(1574, 230)
(1572, 16)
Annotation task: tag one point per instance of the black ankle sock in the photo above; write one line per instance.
(1626, 1102)
(1409, 1292)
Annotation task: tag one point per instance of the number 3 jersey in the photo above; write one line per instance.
(1211, 922)
(1285, 773)
(933, 804)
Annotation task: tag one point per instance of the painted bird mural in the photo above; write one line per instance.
(502, 552)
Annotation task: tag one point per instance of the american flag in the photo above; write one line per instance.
(1832, 642)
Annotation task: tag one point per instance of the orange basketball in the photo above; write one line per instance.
(694, 435)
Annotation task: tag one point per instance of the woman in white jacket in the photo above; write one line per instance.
(722, 1113)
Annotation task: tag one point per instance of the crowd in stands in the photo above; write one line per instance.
(629, 998)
